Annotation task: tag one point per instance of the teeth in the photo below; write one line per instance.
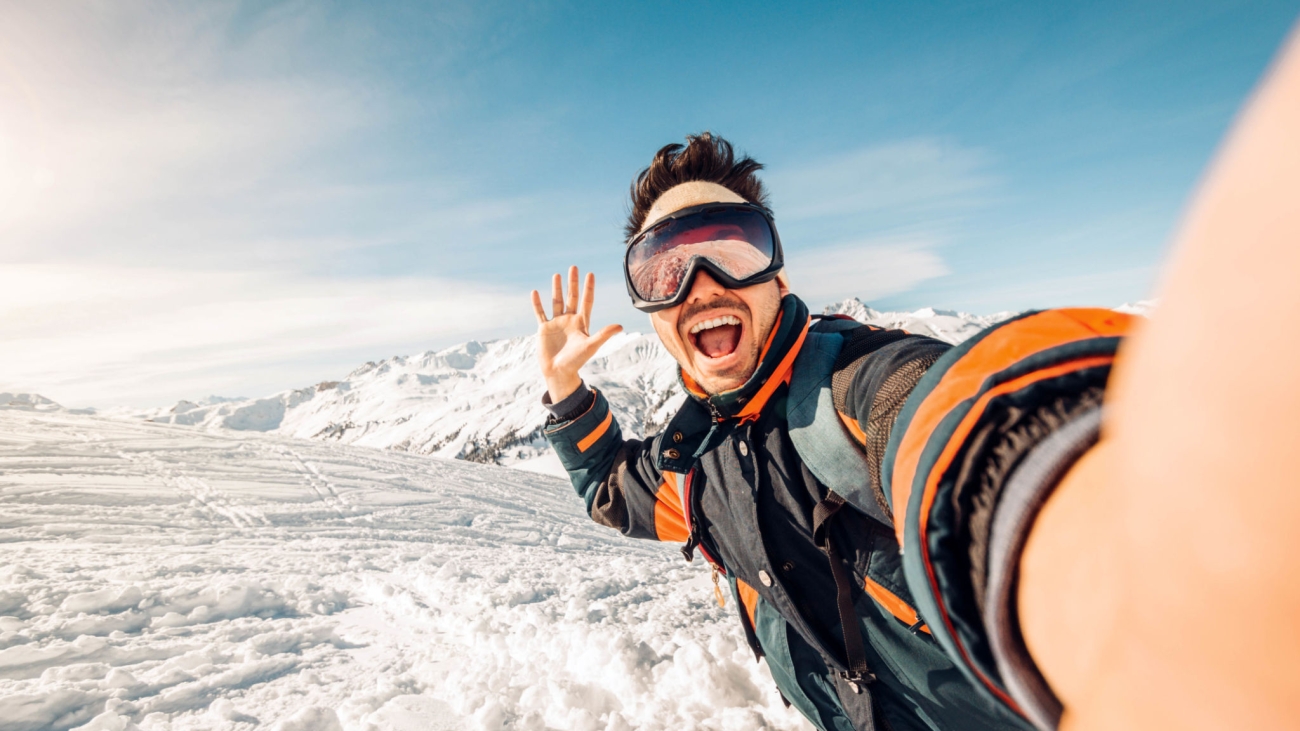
(715, 322)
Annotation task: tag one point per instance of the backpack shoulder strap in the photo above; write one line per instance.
(819, 434)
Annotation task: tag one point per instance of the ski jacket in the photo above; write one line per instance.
(942, 453)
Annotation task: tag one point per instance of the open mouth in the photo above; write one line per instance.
(718, 337)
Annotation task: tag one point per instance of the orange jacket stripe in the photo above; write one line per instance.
(779, 376)
(670, 519)
(852, 425)
(892, 604)
(958, 438)
(585, 443)
(1002, 348)
(748, 600)
(950, 451)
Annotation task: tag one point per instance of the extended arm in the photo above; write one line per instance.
(1161, 584)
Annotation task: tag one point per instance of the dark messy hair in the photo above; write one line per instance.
(705, 157)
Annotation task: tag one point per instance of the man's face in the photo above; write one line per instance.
(716, 334)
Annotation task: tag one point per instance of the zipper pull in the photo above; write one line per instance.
(716, 417)
(688, 549)
(713, 410)
(717, 589)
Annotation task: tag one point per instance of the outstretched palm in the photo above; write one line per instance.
(565, 342)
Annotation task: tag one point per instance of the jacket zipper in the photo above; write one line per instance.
(693, 532)
(716, 418)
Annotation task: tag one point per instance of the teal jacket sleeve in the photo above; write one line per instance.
(617, 478)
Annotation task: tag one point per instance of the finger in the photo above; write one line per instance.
(538, 309)
(588, 297)
(557, 297)
(571, 300)
(602, 337)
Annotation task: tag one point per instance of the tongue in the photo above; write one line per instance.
(719, 341)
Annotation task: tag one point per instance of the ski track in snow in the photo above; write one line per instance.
(160, 577)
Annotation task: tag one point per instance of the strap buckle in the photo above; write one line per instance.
(857, 680)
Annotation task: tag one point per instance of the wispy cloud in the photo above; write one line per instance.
(872, 222)
(1033, 288)
(908, 177)
(183, 209)
(107, 335)
(133, 144)
(869, 269)
(191, 136)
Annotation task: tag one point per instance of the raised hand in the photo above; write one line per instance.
(565, 342)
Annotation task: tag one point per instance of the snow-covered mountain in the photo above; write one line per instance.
(1141, 307)
(26, 402)
(947, 325)
(35, 402)
(481, 401)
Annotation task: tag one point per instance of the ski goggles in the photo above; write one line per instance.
(736, 243)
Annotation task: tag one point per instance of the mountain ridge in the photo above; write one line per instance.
(482, 400)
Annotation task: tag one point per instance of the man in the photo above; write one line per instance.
(705, 261)
(886, 509)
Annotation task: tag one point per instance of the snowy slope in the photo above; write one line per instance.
(160, 577)
(482, 401)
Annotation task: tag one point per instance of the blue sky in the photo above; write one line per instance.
(239, 198)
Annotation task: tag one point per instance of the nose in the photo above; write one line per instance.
(705, 287)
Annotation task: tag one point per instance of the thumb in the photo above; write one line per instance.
(603, 336)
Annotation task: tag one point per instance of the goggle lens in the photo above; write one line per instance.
(736, 240)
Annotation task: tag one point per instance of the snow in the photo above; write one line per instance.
(545, 464)
(164, 577)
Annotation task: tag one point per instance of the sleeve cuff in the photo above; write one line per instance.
(1027, 490)
(571, 406)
